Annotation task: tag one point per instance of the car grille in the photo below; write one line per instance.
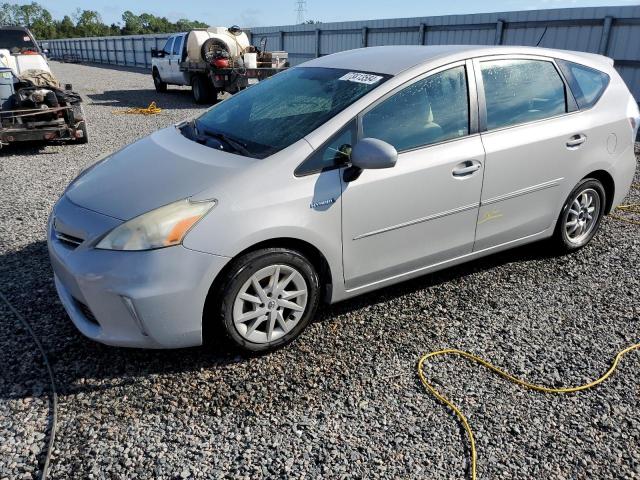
(86, 311)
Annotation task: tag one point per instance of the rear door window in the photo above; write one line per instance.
(520, 91)
(587, 84)
(16, 41)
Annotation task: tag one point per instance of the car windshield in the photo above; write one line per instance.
(278, 112)
(16, 41)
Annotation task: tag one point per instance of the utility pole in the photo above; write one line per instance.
(301, 8)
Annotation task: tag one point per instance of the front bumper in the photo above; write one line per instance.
(147, 299)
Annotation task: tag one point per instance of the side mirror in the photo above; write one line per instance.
(155, 53)
(370, 153)
(373, 153)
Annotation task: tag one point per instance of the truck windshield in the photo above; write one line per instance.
(16, 41)
(278, 112)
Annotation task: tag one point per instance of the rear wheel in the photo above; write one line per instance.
(202, 90)
(267, 298)
(581, 215)
(161, 86)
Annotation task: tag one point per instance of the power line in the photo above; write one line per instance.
(301, 8)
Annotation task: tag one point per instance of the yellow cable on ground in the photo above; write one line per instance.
(630, 208)
(508, 376)
(152, 109)
(633, 208)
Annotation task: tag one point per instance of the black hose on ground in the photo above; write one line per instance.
(54, 394)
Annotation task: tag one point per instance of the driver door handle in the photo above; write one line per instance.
(466, 168)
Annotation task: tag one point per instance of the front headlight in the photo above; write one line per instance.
(162, 227)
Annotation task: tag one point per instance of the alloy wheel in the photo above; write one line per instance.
(582, 216)
(270, 303)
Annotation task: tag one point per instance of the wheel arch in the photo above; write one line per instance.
(310, 251)
(609, 186)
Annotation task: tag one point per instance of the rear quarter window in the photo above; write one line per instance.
(587, 84)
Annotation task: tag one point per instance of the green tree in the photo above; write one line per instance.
(184, 25)
(132, 23)
(65, 28)
(8, 14)
(89, 24)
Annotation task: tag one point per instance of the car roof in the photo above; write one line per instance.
(395, 59)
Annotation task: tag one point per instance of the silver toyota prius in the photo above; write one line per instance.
(340, 176)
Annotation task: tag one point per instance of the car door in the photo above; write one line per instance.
(163, 62)
(531, 145)
(423, 211)
(174, 74)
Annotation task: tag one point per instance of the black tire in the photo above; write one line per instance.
(561, 240)
(85, 134)
(78, 116)
(202, 90)
(239, 273)
(161, 87)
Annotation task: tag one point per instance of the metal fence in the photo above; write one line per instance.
(611, 31)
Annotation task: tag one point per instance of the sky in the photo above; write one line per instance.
(256, 13)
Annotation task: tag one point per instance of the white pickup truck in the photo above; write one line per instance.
(212, 61)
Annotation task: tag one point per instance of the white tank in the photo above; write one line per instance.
(196, 38)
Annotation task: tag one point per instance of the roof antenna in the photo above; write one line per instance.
(542, 36)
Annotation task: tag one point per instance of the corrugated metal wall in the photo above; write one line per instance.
(612, 31)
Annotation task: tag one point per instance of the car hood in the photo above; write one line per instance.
(159, 169)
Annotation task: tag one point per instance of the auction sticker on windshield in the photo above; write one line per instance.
(359, 77)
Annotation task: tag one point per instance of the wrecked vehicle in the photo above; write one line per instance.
(33, 104)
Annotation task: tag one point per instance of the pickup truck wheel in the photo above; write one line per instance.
(161, 86)
(202, 90)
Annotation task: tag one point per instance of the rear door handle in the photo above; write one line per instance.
(575, 141)
(466, 168)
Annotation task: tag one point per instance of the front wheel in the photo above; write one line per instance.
(581, 215)
(267, 298)
(161, 86)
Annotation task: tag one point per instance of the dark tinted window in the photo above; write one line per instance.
(587, 84)
(336, 151)
(169, 45)
(428, 111)
(281, 110)
(177, 46)
(16, 41)
(519, 91)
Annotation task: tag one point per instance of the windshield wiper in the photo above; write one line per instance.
(237, 145)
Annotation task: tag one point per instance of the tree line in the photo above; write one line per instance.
(87, 23)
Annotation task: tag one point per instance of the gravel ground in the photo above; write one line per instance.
(344, 400)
